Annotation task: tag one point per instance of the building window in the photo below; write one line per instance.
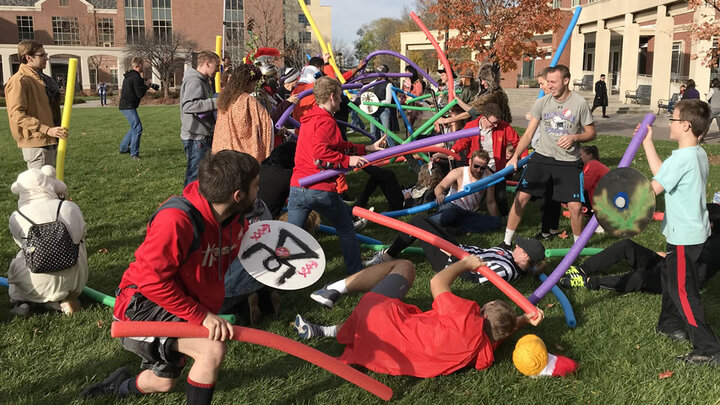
(234, 29)
(25, 27)
(304, 37)
(557, 3)
(575, 3)
(113, 76)
(134, 20)
(676, 63)
(65, 31)
(64, 3)
(302, 19)
(307, 2)
(162, 19)
(106, 32)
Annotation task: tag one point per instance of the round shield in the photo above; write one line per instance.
(624, 202)
(369, 96)
(281, 255)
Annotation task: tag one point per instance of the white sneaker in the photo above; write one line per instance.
(376, 259)
(599, 229)
(360, 223)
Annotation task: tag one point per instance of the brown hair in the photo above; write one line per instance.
(479, 153)
(564, 71)
(136, 62)
(237, 84)
(544, 72)
(207, 56)
(324, 87)
(221, 174)
(490, 109)
(491, 77)
(696, 112)
(591, 150)
(501, 320)
(27, 48)
(429, 178)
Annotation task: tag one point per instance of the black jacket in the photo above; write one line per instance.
(133, 89)
(601, 97)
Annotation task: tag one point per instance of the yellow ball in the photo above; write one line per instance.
(530, 355)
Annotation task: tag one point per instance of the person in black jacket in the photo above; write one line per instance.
(134, 88)
(601, 97)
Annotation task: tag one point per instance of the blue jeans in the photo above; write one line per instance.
(464, 220)
(195, 151)
(131, 141)
(332, 207)
(355, 120)
(238, 285)
(103, 99)
(383, 116)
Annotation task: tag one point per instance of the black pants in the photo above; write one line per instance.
(388, 184)
(681, 304)
(274, 187)
(596, 106)
(437, 258)
(646, 264)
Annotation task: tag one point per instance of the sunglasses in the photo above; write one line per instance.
(481, 167)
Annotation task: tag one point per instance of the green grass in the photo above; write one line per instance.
(49, 358)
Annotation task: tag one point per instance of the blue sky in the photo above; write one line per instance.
(349, 15)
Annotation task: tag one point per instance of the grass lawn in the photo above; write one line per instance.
(49, 358)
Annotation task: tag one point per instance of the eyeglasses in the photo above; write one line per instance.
(678, 119)
(41, 55)
(481, 167)
(493, 123)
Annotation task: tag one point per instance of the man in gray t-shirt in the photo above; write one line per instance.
(564, 120)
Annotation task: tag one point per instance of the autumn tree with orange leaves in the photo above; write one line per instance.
(708, 31)
(500, 31)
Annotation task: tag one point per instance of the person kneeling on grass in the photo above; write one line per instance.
(386, 335)
(647, 265)
(178, 276)
(527, 257)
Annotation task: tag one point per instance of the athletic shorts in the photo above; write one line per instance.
(542, 173)
(392, 286)
(157, 353)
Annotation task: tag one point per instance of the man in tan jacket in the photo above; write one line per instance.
(33, 106)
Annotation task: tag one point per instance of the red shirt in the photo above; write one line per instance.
(305, 103)
(388, 336)
(319, 147)
(328, 71)
(593, 171)
(186, 283)
(502, 135)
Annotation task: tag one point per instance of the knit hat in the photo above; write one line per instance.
(532, 359)
(291, 74)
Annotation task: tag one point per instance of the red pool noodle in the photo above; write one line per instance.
(258, 337)
(433, 149)
(441, 55)
(454, 250)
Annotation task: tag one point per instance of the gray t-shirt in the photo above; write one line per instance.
(558, 119)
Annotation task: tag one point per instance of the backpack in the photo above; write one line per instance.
(196, 218)
(49, 246)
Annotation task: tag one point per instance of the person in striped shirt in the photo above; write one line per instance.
(527, 256)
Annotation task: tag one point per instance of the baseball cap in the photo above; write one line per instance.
(468, 73)
(533, 247)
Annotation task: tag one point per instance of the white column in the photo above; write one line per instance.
(403, 52)
(84, 72)
(6, 67)
(662, 54)
(577, 54)
(602, 51)
(629, 58)
(699, 72)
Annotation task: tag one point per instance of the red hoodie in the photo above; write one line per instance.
(186, 283)
(503, 134)
(320, 146)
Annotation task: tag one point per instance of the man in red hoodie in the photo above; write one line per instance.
(320, 147)
(177, 276)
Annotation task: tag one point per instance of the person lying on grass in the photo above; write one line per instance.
(386, 335)
(177, 276)
(528, 256)
(646, 265)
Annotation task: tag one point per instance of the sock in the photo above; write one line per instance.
(575, 237)
(339, 286)
(329, 331)
(199, 394)
(509, 233)
(129, 387)
(553, 231)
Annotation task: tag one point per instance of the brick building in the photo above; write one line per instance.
(97, 31)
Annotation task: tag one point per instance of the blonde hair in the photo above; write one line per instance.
(28, 48)
(324, 87)
(207, 56)
(136, 62)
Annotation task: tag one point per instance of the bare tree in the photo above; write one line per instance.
(165, 55)
(268, 22)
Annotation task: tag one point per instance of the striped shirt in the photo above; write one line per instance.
(497, 259)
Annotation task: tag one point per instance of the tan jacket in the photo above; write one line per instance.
(29, 109)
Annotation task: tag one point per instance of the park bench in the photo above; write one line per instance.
(586, 83)
(664, 104)
(641, 95)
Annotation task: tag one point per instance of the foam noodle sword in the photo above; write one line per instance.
(67, 111)
(258, 337)
(454, 250)
(441, 55)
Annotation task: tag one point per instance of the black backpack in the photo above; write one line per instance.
(49, 246)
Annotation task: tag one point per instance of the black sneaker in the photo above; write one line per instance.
(699, 359)
(545, 236)
(326, 297)
(108, 386)
(679, 335)
(576, 277)
(503, 245)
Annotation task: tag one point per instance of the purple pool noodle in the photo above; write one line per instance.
(384, 154)
(404, 58)
(376, 74)
(279, 124)
(294, 122)
(356, 129)
(579, 244)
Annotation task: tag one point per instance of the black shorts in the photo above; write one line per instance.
(392, 286)
(157, 353)
(543, 173)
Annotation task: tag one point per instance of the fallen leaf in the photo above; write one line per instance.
(83, 133)
(559, 348)
(100, 324)
(37, 331)
(549, 305)
(103, 250)
(666, 374)
(563, 235)
(637, 347)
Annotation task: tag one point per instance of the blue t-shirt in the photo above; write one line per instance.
(684, 177)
